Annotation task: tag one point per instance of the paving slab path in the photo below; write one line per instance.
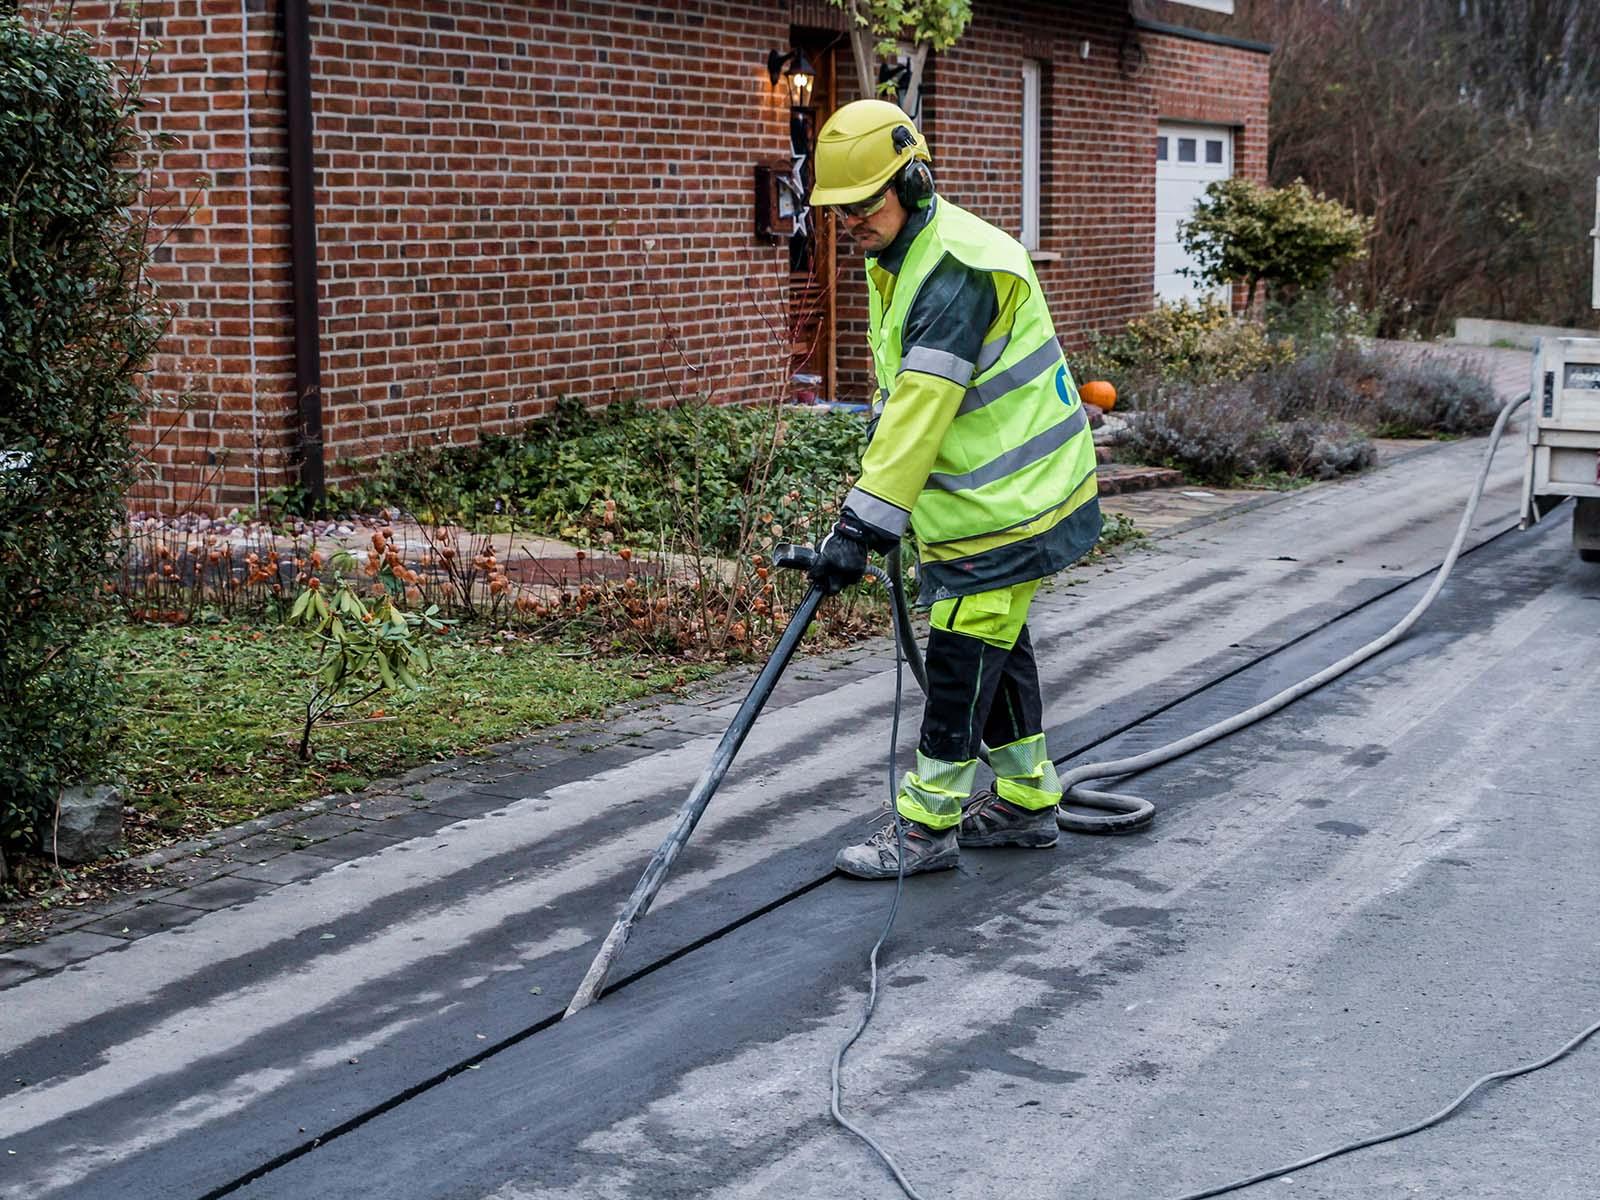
(1338, 918)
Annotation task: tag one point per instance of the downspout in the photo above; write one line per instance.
(303, 247)
(256, 456)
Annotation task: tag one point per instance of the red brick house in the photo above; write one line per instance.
(429, 220)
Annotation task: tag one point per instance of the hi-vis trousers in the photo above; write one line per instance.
(983, 685)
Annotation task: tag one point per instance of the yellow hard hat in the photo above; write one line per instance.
(858, 152)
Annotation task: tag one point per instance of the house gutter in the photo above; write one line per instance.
(1200, 35)
(303, 248)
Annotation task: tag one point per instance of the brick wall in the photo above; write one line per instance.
(515, 203)
(523, 202)
(1214, 85)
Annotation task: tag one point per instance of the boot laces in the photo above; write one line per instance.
(884, 837)
(881, 818)
(978, 801)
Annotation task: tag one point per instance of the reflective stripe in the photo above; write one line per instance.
(937, 362)
(1034, 799)
(991, 352)
(1022, 759)
(1011, 378)
(1038, 516)
(880, 514)
(1024, 774)
(1040, 446)
(934, 792)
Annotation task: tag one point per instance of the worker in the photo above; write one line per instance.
(981, 449)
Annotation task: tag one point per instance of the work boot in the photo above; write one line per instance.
(879, 856)
(988, 820)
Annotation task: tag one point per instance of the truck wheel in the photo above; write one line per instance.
(1586, 528)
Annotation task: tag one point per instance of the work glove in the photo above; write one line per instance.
(842, 557)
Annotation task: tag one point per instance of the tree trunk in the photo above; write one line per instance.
(913, 97)
(862, 41)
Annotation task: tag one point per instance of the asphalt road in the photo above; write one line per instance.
(1340, 918)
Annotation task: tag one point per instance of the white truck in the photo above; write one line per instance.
(1564, 438)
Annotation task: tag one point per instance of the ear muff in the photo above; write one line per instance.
(913, 185)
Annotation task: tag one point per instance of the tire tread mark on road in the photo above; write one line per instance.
(416, 1089)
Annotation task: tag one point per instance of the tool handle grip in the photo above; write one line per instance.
(793, 557)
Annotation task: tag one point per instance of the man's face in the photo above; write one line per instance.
(873, 233)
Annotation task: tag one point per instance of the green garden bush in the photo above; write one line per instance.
(77, 322)
(702, 473)
(1287, 237)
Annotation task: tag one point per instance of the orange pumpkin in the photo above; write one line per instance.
(1099, 393)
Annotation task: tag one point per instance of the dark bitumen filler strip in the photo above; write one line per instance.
(362, 1118)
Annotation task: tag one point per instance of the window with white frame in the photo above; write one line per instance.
(1032, 76)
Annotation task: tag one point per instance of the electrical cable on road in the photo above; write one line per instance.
(1395, 1135)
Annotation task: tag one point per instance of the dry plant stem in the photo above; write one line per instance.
(314, 714)
(55, 832)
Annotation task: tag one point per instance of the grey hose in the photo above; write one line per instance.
(1131, 812)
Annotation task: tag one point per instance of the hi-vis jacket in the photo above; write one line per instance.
(991, 462)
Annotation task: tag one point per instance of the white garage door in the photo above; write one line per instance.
(1187, 158)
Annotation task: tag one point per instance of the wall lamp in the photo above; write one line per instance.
(797, 70)
(897, 75)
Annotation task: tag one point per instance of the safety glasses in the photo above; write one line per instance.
(864, 208)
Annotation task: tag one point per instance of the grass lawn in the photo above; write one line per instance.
(211, 715)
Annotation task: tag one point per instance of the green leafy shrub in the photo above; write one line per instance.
(364, 644)
(76, 324)
(705, 472)
(1183, 339)
(1242, 232)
